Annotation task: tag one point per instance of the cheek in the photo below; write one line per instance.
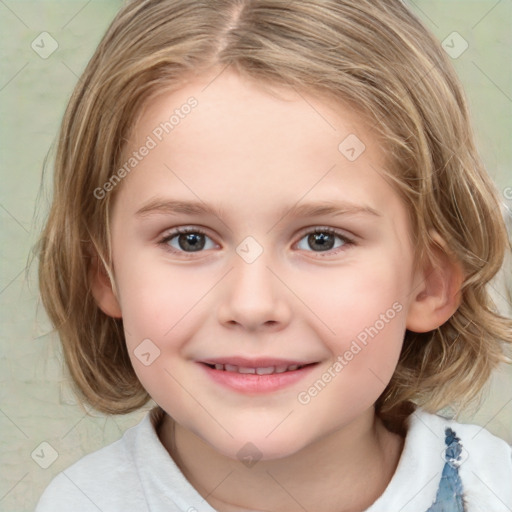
(156, 300)
(365, 317)
(359, 297)
(161, 309)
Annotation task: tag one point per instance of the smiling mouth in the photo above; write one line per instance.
(267, 370)
(256, 376)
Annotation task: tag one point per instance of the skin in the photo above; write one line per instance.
(252, 153)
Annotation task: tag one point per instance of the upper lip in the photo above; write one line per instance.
(260, 362)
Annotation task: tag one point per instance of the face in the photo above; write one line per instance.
(263, 265)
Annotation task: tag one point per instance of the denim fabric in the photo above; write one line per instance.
(449, 497)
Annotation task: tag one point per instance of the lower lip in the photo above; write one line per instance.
(255, 384)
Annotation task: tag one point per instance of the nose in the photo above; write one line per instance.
(254, 297)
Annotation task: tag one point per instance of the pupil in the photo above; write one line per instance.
(325, 241)
(193, 241)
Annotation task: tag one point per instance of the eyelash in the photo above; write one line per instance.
(347, 242)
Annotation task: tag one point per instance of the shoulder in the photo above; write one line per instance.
(81, 487)
(134, 473)
(449, 466)
(481, 461)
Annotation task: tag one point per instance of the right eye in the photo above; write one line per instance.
(186, 241)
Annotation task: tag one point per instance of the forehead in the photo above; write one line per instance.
(241, 144)
(255, 118)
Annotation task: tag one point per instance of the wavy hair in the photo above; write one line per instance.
(374, 56)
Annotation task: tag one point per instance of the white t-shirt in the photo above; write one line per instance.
(136, 473)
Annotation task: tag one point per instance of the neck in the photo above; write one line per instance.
(345, 471)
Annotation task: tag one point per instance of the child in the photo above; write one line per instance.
(270, 218)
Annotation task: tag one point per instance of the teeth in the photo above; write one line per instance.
(246, 370)
(256, 371)
(265, 371)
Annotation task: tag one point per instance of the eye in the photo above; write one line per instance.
(192, 239)
(324, 239)
(186, 240)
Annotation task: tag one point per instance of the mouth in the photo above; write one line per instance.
(256, 376)
(257, 370)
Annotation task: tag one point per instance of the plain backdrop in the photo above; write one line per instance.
(43, 429)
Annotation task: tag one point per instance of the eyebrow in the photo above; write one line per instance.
(173, 207)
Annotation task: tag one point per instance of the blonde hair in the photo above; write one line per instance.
(374, 56)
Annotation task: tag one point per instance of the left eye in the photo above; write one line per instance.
(325, 240)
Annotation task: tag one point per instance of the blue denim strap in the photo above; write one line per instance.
(449, 497)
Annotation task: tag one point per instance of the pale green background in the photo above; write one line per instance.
(36, 404)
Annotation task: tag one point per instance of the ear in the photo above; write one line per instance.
(437, 295)
(102, 288)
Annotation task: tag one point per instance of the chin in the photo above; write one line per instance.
(255, 446)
